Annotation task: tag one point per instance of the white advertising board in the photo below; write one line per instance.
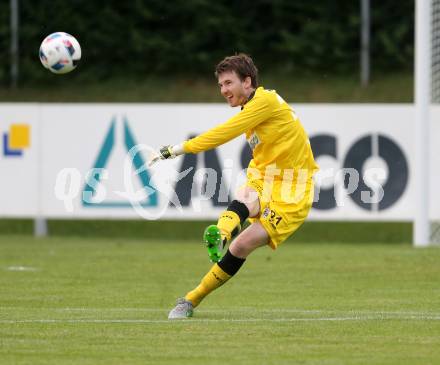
(20, 161)
(72, 161)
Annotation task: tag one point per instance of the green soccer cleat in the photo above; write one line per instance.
(213, 242)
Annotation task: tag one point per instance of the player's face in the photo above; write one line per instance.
(234, 90)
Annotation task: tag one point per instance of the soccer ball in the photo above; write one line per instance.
(60, 52)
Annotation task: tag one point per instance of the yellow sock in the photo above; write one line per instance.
(215, 278)
(227, 222)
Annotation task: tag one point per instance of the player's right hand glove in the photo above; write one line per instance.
(164, 153)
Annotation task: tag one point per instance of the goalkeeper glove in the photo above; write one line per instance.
(165, 153)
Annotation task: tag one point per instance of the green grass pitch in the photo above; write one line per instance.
(105, 301)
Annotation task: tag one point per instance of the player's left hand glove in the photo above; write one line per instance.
(164, 153)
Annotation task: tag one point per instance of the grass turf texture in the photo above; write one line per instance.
(105, 301)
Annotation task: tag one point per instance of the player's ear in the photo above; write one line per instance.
(247, 81)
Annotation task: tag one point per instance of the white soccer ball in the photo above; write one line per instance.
(60, 52)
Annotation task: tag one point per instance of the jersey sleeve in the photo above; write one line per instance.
(255, 111)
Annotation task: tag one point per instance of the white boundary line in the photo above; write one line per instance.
(220, 320)
(231, 310)
(326, 315)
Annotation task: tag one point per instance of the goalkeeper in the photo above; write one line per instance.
(278, 193)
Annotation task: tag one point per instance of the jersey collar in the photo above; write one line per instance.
(249, 98)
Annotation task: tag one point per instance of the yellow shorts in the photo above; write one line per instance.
(282, 215)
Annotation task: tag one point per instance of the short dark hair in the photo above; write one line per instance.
(243, 66)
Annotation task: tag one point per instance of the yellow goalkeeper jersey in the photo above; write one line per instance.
(273, 131)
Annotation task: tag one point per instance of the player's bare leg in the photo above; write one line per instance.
(250, 239)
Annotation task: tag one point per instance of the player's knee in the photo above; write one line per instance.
(239, 249)
(249, 197)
